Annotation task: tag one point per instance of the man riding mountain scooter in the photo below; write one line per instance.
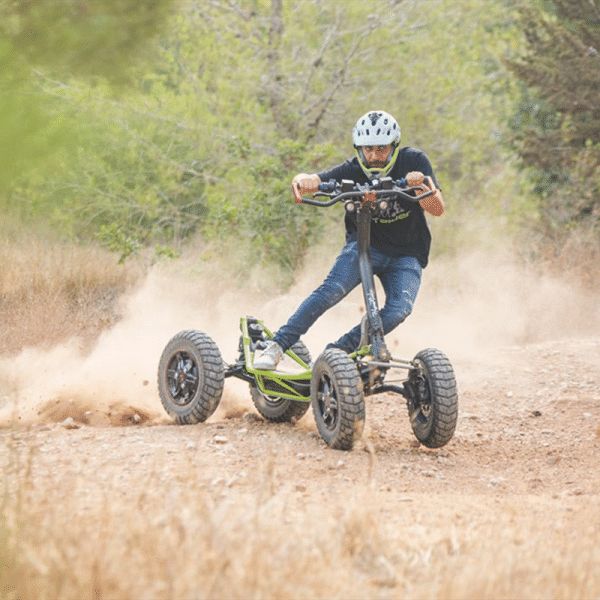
(400, 239)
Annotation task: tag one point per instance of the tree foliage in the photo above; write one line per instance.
(104, 38)
(82, 37)
(557, 127)
(241, 95)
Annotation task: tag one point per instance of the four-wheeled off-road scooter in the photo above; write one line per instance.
(191, 372)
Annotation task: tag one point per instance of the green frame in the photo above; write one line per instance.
(362, 351)
(280, 379)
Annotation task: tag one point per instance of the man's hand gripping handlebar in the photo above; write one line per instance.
(305, 184)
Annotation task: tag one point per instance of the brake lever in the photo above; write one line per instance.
(297, 194)
(427, 188)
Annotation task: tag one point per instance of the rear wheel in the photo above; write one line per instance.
(277, 409)
(337, 399)
(433, 403)
(190, 377)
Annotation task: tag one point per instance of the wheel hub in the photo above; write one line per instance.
(327, 402)
(183, 380)
(421, 400)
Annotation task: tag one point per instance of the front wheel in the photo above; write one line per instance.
(337, 399)
(433, 398)
(190, 377)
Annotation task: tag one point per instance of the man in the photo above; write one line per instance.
(400, 240)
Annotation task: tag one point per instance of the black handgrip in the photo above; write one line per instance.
(328, 186)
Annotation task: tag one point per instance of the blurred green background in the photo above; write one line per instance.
(141, 125)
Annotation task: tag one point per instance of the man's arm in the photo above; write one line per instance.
(433, 204)
(309, 184)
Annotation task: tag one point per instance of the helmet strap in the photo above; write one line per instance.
(372, 172)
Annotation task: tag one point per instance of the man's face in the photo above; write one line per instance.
(377, 156)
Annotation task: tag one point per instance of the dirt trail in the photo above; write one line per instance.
(511, 507)
(105, 497)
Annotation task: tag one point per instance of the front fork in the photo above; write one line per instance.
(375, 334)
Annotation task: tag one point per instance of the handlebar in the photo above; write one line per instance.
(381, 189)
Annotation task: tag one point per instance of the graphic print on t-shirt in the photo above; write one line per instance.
(391, 215)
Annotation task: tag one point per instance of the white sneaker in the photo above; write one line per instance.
(268, 358)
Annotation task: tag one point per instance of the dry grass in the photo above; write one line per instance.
(52, 290)
(181, 538)
(166, 532)
(575, 258)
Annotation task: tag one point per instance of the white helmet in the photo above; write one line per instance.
(376, 128)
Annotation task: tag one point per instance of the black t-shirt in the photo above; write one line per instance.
(403, 232)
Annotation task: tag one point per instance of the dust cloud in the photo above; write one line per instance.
(466, 306)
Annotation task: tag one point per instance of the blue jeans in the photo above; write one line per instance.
(400, 277)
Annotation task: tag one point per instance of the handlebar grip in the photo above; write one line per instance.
(328, 186)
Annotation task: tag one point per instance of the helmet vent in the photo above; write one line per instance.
(378, 131)
(368, 132)
(385, 121)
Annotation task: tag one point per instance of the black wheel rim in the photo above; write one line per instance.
(328, 403)
(182, 378)
(421, 413)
